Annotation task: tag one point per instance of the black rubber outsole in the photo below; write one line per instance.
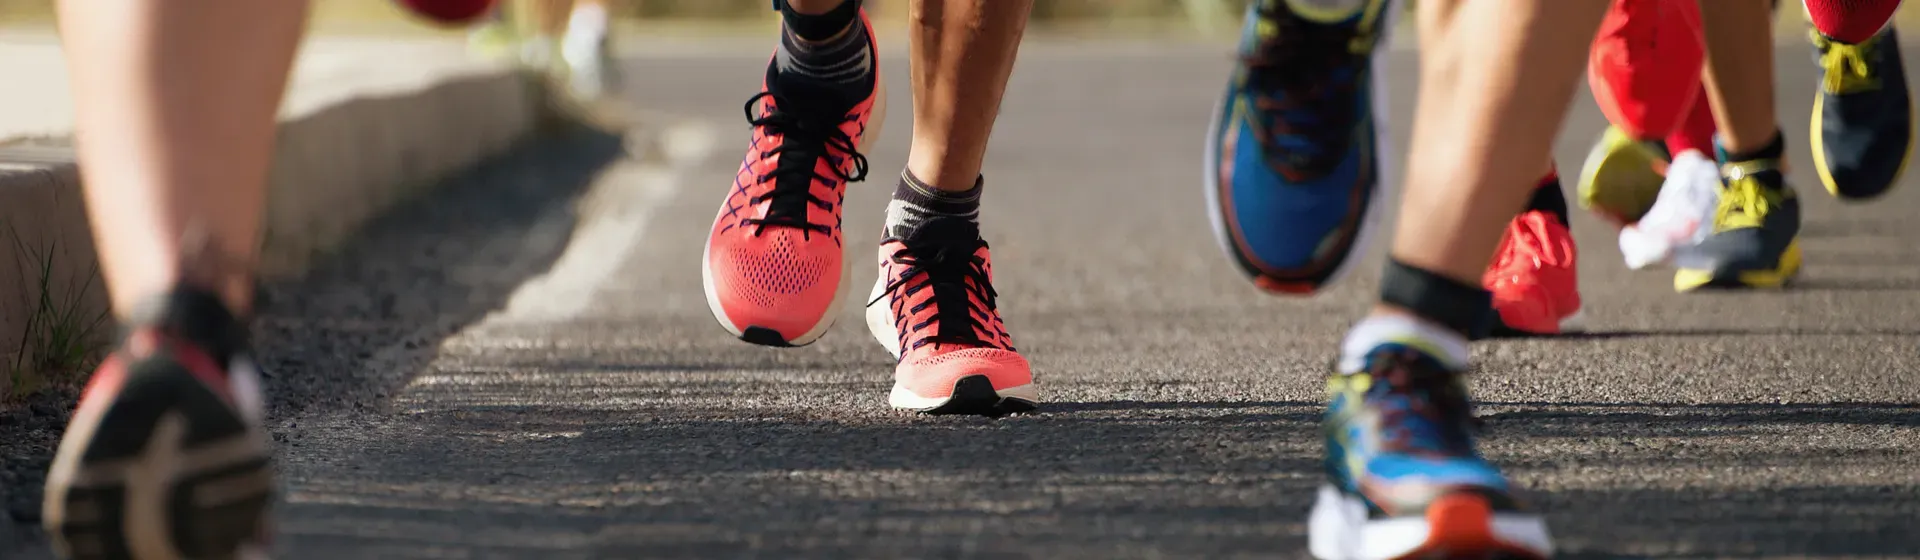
(765, 337)
(209, 512)
(974, 395)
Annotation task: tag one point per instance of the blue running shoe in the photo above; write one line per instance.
(1292, 158)
(1404, 480)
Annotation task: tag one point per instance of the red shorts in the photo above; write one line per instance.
(1645, 66)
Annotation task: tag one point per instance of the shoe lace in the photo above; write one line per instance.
(1849, 66)
(1744, 201)
(957, 275)
(803, 142)
(1423, 407)
(1303, 75)
(1528, 242)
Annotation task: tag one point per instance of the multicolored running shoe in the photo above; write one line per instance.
(1293, 155)
(1403, 478)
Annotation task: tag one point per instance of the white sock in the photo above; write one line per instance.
(590, 19)
(1449, 347)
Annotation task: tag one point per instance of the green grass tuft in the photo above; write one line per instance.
(62, 341)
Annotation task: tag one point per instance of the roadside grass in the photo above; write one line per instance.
(62, 341)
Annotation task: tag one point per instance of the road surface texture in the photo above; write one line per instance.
(524, 366)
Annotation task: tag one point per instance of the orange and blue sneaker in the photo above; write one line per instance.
(934, 308)
(167, 454)
(775, 256)
(1862, 116)
(1535, 278)
(1403, 478)
(1292, 157)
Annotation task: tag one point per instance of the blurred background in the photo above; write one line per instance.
(1213, 18)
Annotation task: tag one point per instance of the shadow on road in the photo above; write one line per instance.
(675, 471)
(1717, 333)
(364, 320)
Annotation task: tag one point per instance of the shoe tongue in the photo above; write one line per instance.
(949, 231)
(812, 97)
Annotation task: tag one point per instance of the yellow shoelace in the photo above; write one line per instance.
(1745, 202)
(1847, 65)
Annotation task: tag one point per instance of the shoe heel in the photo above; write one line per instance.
(165, 470)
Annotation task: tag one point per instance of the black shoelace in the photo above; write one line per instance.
(957, 275)
(1306, 76)
(802, 143)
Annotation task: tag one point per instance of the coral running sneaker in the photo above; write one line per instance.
(165, 457)
(1863, 116)
(934, 308)
(1534, 278)
(775, 256)
(1292, 158)
(1404, 480)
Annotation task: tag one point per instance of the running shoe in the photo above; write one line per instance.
(934, 308)
(1534, 278)
(166, 456)
(1862, 117)
(1621, 177)
(1755, 238)
(1292, 158)
(1403, 478)
(588, 56)
(775, 256)
(1680, 219)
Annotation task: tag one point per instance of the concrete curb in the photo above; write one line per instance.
(350, 161)
(348, 149)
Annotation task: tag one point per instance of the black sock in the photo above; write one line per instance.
(1769, 154)
(1548, 198)
(198, 316)
(1773, 150)
(917, 205)
(826, 55)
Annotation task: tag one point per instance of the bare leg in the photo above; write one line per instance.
(177, 102)
(1496, 80)
(1739, 76)
(1756, 224)
(934, 304)
(550, 17)
(1474, 119)
(963, 53)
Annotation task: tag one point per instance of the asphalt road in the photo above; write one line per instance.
(524, 367)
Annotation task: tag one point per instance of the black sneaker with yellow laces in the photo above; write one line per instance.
(1756, 229)
(1862, 117)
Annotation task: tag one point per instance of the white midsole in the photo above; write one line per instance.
(880, 324)
(902, 397)
(1338, 529)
